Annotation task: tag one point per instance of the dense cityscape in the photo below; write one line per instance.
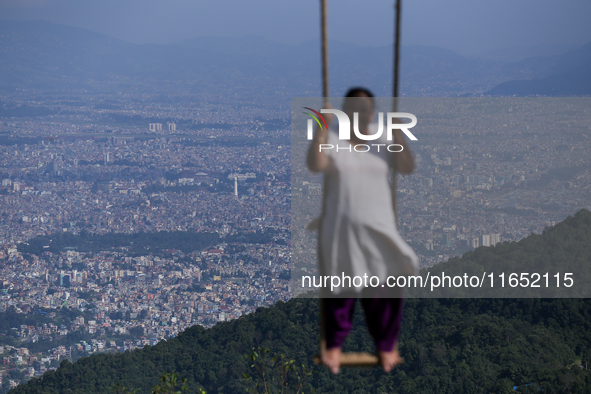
(222, 180)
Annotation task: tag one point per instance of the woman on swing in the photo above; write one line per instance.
(357, 233)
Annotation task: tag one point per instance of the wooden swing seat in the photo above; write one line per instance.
(362, 359)
(349, 359)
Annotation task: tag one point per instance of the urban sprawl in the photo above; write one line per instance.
(96, 200)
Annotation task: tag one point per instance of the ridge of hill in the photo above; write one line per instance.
(563, 249)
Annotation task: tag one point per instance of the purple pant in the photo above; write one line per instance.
(382, 315)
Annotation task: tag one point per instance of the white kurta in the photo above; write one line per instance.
(358, 234)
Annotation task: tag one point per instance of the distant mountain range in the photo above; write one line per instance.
(567, 74)
(43, 55)
(518, 53)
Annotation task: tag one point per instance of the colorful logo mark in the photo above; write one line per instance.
(315, 118)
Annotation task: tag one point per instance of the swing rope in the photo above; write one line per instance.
(395, 91)
(324, 30)
(361, 359)
(396, 87)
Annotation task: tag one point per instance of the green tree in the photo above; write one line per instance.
(168, 384)
(275, 374)
(120, 389)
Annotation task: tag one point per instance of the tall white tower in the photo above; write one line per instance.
(236, 186)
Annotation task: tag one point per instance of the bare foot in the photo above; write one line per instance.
(332, 359)
(390, 359)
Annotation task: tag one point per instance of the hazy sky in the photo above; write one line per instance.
(466, 26)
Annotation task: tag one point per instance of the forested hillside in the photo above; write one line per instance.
(450, 345)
